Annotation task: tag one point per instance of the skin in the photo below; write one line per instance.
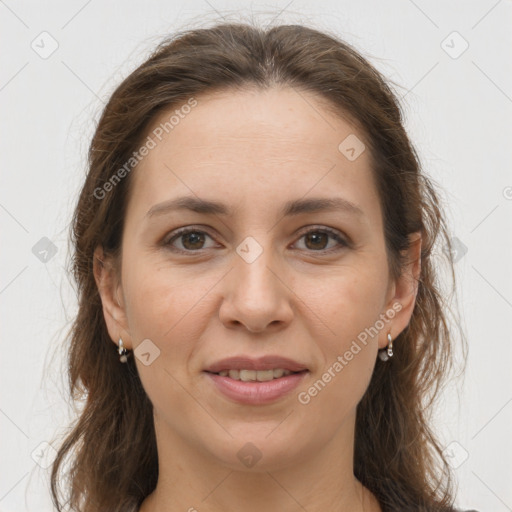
(254, 151)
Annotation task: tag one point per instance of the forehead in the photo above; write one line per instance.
(281, 142)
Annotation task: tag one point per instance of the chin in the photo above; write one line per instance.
(256, 452)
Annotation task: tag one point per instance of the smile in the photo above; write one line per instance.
(252, 387)
(255, 375)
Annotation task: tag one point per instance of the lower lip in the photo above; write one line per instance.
(256, 393)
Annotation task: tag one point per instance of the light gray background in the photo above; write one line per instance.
(458, 110)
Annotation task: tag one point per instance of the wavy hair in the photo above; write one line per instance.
(111, 447)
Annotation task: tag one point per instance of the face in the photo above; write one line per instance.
(251, 279)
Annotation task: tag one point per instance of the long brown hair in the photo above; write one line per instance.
(111, 447)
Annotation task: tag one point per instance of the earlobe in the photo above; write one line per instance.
(109, 289)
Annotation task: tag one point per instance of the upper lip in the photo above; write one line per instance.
(259, 363)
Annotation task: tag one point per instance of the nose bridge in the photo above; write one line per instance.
(253, 265)
(255, 296)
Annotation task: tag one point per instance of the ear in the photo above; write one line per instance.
(403, 291)
(111, 293)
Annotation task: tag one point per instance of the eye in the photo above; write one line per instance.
(191, 240)
(316, 239)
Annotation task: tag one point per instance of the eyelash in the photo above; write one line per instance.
(334, 234)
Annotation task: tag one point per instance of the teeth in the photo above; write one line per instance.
(264, 375)
(247, 375)
(255, 375)
(234, 374)
(278, 372)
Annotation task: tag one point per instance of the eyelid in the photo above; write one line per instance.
(176, 233)
(340, 237)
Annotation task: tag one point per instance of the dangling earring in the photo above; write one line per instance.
(386, 353)
(123, 357)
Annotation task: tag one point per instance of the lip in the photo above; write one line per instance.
(256, 393)
(260, 363)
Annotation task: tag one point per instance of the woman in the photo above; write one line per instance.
(260, 321)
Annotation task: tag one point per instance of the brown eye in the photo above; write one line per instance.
(317, 240)
(192, 240)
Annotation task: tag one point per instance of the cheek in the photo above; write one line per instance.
(166, 307)
(346, 303)
(349, 306)
(161, 300)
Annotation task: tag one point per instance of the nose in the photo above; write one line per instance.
(256, 295)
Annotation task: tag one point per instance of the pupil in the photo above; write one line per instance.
(321, 236)
(196, 238)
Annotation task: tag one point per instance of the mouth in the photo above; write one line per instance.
(256, 369)
(246, 375)
(256, 381)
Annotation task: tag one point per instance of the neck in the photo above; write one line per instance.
(192, 481)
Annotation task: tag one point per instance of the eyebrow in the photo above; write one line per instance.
(291, 208)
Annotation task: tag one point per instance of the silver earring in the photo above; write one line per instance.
(122, 352)
(387, 353)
